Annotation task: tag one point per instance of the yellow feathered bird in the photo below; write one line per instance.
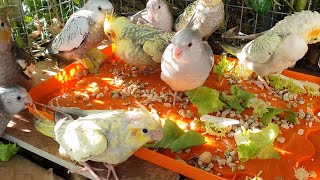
(137, 45)
(107, 136)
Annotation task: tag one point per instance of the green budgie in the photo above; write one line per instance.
(280, 47)
(208, 14)
(137, 45)
(107, 136)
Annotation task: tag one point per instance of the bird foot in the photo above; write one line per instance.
(145, 71)
(91, 170)
(111, 169)
(174, 95)
(264, 83)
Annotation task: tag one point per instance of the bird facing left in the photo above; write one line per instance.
(13, 99)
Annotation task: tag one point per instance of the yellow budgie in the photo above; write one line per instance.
(137, 45)
(107, 136)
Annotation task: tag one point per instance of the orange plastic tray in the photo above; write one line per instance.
(304, 149)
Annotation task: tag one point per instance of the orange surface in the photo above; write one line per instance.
(296, 149)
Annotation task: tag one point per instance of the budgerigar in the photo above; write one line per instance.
(137, 45)
(82, 32)
(209, 14)
(13, 99)
(157, 14)
(186, 62)
(280, 47)
(16, 65)
(107, 136)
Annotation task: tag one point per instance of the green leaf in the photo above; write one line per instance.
(257, 144)
(232, 102)
(291, 116)
(223, 65)
(7, 151)
(76, 1)
(176, 139)
(266, 118)
(205, 99)
(171, 132)
(259, 106)
(260, 6)
(242, 94)
(190, 138)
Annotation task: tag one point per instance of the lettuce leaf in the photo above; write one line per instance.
(217, 126)
(205, 99)
(259, 106)
(176, 139)
(238, 99)
(280, 82)
(7, 151)
(257, 144)
(223, 65)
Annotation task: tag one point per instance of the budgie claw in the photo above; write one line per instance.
(91, 170)
(264, 83)
(111, 169)
(174, 97)
(145, 71)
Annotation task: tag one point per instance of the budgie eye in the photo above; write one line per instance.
(18, 98)
(190, 44)
(159, 7)
(99, 8)
(2, 24)
(144, 130)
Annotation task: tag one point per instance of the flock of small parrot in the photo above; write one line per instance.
(147, 39)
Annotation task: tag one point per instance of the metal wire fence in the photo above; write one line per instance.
(34, 16)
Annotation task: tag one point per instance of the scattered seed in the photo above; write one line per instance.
(89, 105)
(205, 157)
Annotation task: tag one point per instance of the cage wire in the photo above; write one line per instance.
(34, 20)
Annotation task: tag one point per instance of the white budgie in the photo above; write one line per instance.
(157, 14)
(280, 47)
(209, 14)
(82, 32)
(186, 62)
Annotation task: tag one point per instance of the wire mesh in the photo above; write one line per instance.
(32, 14)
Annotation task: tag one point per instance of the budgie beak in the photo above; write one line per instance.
(151, 13)
(4, 35)
(28, 101)
(157, 134)
(177, 51)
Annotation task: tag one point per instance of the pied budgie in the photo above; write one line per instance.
(13, 99)
(137, 45)
(280, 47)
(107, 136)
(83, 32)
(16, 65)
(209, 14)
(157, 14)
(186, 62)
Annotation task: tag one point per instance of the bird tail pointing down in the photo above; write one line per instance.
(233, 50)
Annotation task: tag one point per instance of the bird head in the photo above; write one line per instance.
(186, 43)
(113, 26)
(5, 33)
(145, 126)
(14, 98)
(101, 8)
(156, 8)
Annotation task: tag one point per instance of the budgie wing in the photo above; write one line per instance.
(262, 48)
(81, 141)
(72, 35)
(184, 18)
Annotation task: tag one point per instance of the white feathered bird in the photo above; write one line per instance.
(157, 14)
